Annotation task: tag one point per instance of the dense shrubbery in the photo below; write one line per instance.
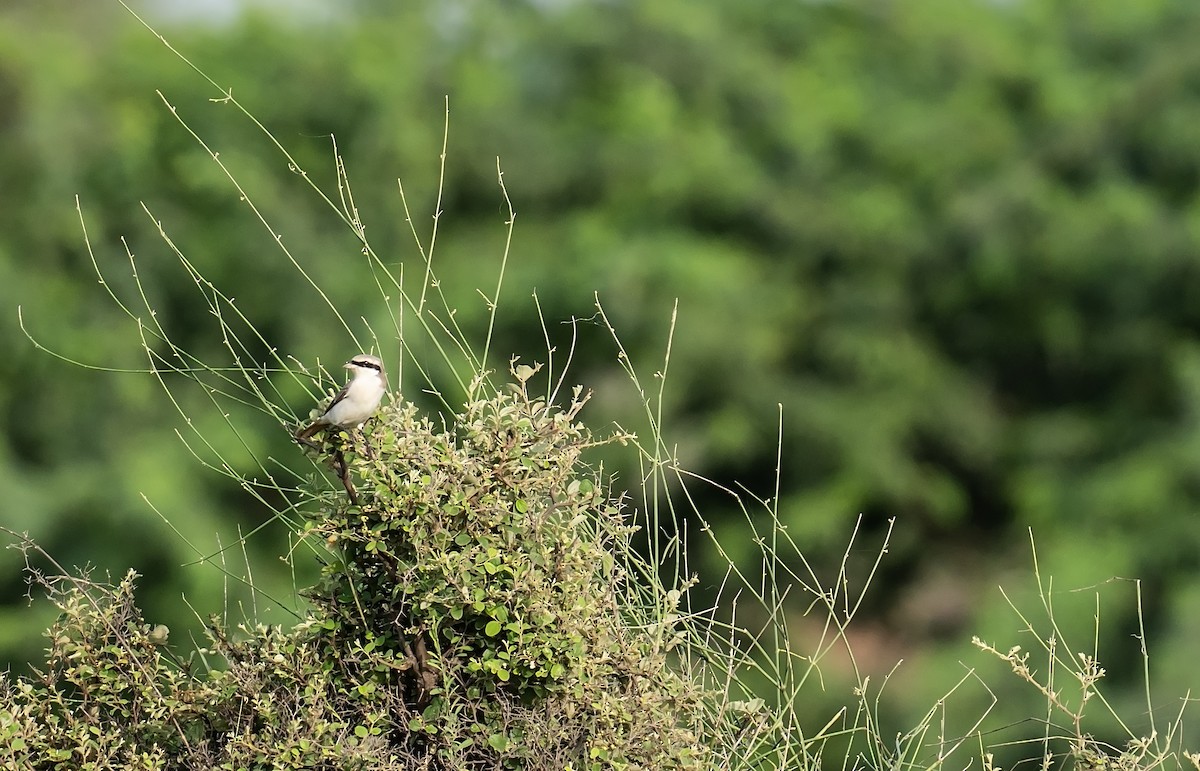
(473, 614)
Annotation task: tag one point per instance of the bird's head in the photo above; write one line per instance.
(365, 361)
(365, 364)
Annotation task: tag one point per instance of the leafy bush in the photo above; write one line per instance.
(474, 614)
(106, 698)
(478, 578)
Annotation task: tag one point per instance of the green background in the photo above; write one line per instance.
(955, 243)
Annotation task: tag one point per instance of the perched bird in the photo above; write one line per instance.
(357, 400)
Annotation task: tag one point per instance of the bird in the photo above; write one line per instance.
(357, 400)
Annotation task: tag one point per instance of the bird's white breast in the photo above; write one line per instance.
(361, 400)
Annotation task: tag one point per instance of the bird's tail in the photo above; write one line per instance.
(312, 428)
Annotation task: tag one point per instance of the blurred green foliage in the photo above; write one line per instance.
(955, 241)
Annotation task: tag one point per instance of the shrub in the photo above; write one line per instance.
(474, 614)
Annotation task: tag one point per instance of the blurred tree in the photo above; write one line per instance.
(956, 240)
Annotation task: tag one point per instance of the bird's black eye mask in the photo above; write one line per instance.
(369, 364)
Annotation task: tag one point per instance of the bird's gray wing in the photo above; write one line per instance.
(340, 395)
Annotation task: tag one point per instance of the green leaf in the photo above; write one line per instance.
(492, 629)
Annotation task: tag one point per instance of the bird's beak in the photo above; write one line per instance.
(348, 365)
